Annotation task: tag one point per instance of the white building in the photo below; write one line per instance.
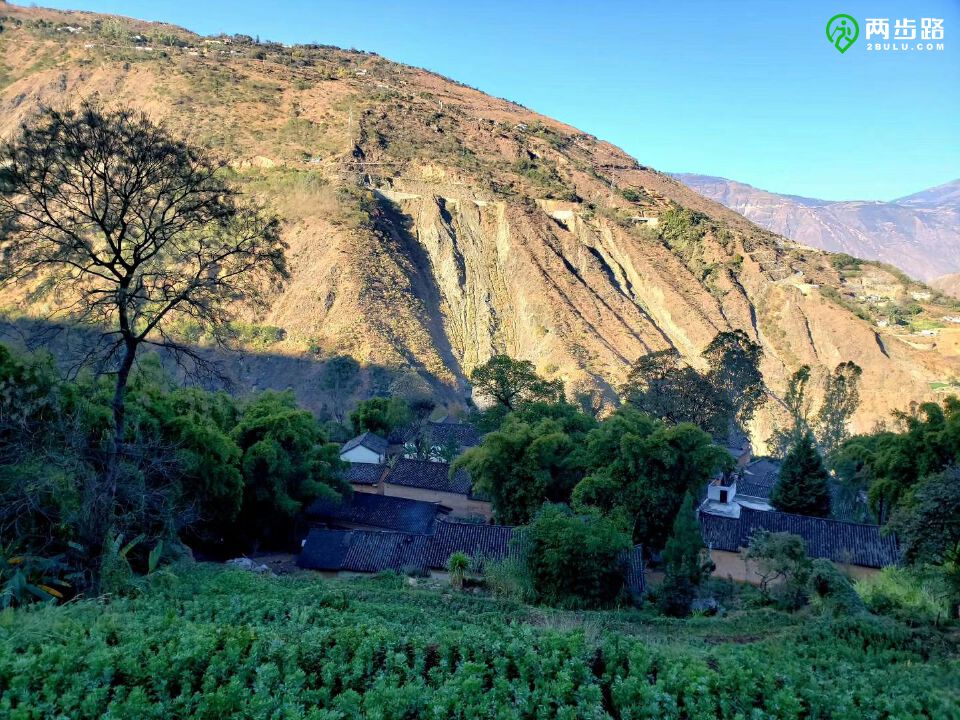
(365, 448)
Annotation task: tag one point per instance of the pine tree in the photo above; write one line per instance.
(802, 488)
(685, 564)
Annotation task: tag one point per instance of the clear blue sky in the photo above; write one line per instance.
(745, 89)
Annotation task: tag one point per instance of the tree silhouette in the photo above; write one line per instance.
(131, 231)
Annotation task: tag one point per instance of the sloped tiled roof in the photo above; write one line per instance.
(758, 478)
(477, 540)
(429, 475)
(369, 440)
(375, 551)
(440, 433)
(466, 436)
(360, 550)
(364, 473)
(389, 513)
(842, 542)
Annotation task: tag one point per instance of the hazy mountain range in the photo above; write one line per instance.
(919, 233)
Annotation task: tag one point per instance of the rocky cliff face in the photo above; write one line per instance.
(431, 225)
(920, 233)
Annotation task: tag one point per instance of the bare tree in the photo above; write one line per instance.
(134, 232)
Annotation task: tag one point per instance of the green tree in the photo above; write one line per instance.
(641, 468)
(797, 405)
(686, 563)
(530, 459)
(286, 464)
(575, 559)
(802, 486)
(888, 464)
(927, 522)
(510, 383)
(841, 400)
(781, 562)
(734, 361)
(340, 379)
(381, 416)
(131, 231)
(662, 385)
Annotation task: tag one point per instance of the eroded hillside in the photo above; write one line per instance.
(431, 225)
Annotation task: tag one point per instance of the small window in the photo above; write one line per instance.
(723, 496)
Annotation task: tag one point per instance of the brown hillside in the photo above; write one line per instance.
(431, 225)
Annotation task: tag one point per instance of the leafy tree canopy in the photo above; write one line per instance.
(381, 415)
(510, 383)
(574, 559)
(641, 468)
(532, 458)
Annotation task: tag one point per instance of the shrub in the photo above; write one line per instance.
(574, 560)
(783, 566)
(914, 595)
(832, 592)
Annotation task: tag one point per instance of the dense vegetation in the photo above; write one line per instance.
(201, 467)
(213, 643)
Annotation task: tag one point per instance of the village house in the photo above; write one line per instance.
(750, 487)
(423, 480)
(431, 482)
(437, 441)
(859, 549)
(366, 448)
(339, 553)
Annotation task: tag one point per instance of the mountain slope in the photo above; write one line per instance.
(948, 284)
(431, 225)
(919, 233)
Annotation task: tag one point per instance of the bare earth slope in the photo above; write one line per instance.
(948, 284)
(919, 233)
(432, 225)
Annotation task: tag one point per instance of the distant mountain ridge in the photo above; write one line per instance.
(918, 233)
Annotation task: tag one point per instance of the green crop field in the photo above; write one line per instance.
(212, 643)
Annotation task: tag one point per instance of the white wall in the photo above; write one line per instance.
(361, 454)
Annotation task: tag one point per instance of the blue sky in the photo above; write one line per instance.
(744, 89)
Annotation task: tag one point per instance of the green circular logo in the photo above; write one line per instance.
(842, 31)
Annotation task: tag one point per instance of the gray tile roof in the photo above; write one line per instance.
(376, 551)
(440, 433)
(364, 473)
(758, 478)
(835, 540)
(430, 476)
(379, 511)
(635, 570)
(466, 436)
(369, 440)
(479, 541)
(360, 550)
